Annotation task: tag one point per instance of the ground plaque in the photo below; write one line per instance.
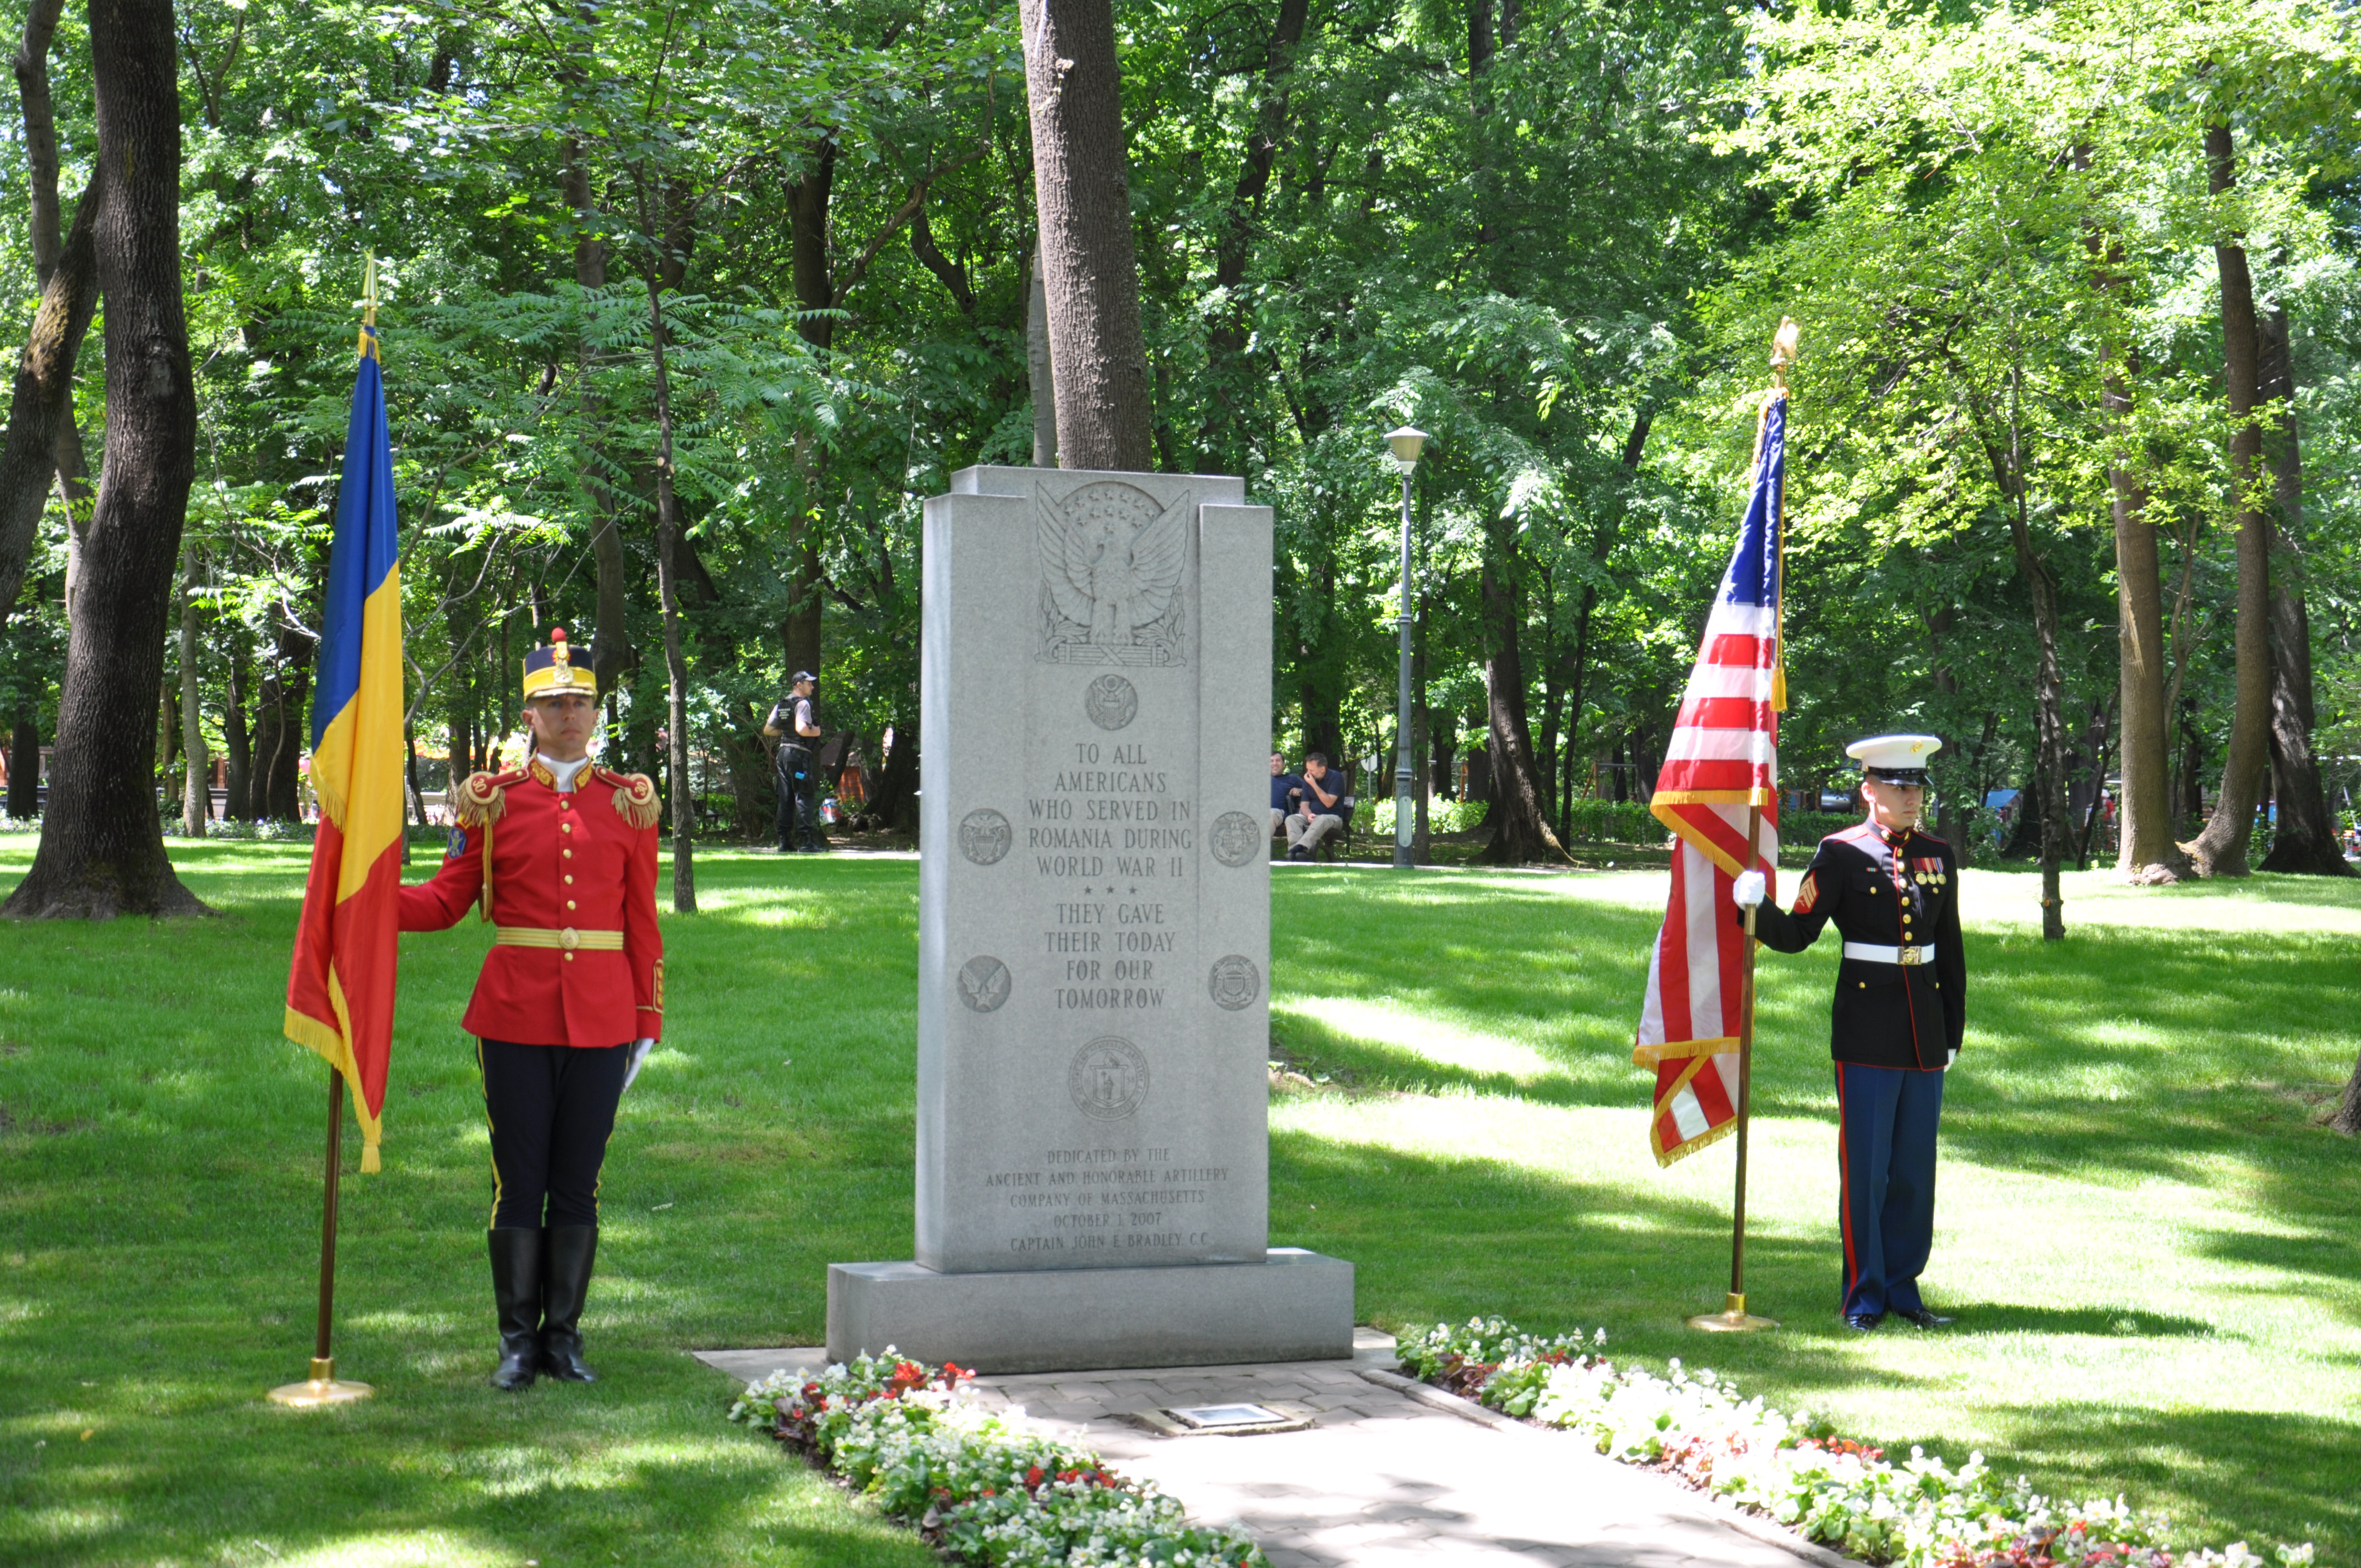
(1094, 937)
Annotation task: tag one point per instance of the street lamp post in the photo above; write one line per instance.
(1407, 443)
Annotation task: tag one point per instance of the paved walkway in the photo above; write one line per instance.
(1378, 1470)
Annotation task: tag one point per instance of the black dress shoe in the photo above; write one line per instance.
(516, 1292)
(1863, 1321)
(1924, 1319)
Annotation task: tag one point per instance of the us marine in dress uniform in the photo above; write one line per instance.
(560, 856)
(1901, 1006)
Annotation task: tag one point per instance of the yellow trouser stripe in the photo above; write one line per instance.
(484, 1084)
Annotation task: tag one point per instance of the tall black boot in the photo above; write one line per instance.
(565, 1283)
(516, 1292)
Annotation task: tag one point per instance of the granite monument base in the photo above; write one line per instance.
(1295, 1306)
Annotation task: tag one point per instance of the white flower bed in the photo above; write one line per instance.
(985, 1487)
(1920, 1513)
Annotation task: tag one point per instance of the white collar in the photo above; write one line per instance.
(564, 773)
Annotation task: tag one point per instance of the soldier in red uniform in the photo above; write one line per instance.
(560, 855)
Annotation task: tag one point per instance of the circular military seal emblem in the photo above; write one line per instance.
(1236, 837)
(983, 983)
(1108, 1080)
(985, 837)
(1235, 982)
(1111, 701)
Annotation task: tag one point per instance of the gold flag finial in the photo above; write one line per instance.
(368, 309)
(1786, 344)
(1784, 350)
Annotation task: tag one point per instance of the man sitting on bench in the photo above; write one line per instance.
(1325, 809)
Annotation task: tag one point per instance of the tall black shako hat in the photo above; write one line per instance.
(552, 672)
(1896, 759)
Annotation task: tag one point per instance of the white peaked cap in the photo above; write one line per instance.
(1882, 755)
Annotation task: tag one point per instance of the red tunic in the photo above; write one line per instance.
(584, 861)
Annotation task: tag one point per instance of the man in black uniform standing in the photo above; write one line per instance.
(792, 721)
(1901, 1007)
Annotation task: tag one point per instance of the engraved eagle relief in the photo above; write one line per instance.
(1111, 568)
(983, 983)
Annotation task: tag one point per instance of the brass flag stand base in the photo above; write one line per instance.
(322, 1389)
(1733, 1319)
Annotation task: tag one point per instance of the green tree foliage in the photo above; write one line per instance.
(1556, 235)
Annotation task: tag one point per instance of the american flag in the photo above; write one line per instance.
(1723, 761)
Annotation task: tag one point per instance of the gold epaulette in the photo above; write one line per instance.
(483, 799)
(635, 797)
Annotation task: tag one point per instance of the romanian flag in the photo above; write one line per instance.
(340, 985)
(1722, 764)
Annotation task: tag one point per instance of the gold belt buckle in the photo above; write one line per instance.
(569, 939)
(1906, 955)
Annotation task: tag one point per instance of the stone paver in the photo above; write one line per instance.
(1380, 1478)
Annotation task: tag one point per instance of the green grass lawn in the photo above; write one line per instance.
(2148, 1238)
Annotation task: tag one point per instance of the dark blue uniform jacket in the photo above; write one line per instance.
(1892, 890)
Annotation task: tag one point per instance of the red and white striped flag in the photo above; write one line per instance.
(1723, 761)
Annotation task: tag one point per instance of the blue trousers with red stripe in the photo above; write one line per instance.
(1885, 1153)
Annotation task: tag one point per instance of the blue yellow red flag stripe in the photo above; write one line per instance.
(340, 984)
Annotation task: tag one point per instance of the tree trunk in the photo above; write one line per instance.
(32, 69)
(2049, 720)
(1554, 662)
(102, 850)
(2305, 840)
(610, 642)
(2221, 849)
(2149, 854)
(2347, 1119)
(197, 798)
(2103, 729)
(815, 285)
(417, 796)
(43, 403)
(1229, 389)
(2047, 789)
(896, 800)
(1091, 272)
(459, 707)
(1043, 370)
(238, 760)
(1520, 834)
(684, 813)
(280, 731)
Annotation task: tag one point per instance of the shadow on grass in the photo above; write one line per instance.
(2014, 1317)
(2225, 1465)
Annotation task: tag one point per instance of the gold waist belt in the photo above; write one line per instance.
(568, 939)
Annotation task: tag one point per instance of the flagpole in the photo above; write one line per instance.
(1734, 1318)
(322, 1387)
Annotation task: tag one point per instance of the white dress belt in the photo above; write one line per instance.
(1871, 952)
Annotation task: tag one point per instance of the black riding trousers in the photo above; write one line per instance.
(550, 1109)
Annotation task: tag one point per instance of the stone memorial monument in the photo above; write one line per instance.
(1094, 942)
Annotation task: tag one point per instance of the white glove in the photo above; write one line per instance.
(1748, 889)
(632, 1063)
